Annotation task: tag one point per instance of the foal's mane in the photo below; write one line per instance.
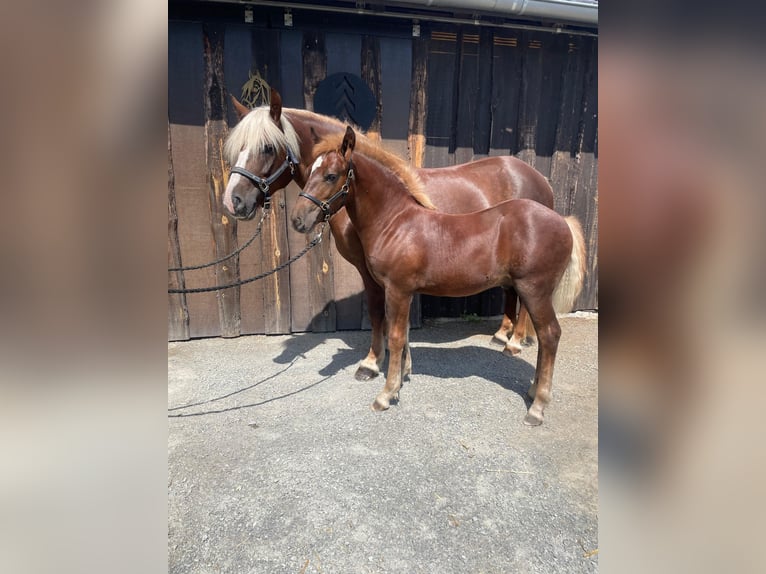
(256, 130)
(399, 167)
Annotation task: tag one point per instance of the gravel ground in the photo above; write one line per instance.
(277, 464)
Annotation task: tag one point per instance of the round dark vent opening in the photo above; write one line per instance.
(346, 97)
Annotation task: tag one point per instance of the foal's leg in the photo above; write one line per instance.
(370, 367)
(519, 333)
(398, 317)
(407, 369)
(548, 334)
(509, 316)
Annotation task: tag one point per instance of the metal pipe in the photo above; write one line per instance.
(582, 11)
(411, 17)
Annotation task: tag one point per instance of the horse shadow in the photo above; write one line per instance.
(476, 358)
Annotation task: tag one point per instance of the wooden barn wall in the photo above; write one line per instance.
(454, 94)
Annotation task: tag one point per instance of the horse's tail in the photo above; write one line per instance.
(570, 284)
(571, 281)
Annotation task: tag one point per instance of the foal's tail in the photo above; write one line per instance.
(570, 284)
(571, 281)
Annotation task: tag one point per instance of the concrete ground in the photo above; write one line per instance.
(278, 465)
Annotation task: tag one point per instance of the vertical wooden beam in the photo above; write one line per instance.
(224, 228)
(371, 76)
(320, 274)
(416, 138)
(314, 65)
(178, 311)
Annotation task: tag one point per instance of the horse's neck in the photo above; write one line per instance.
(379, 196)
(302, 123)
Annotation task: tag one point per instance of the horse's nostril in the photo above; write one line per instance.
(236, 201)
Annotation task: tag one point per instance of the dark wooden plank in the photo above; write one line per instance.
(301, 310)
(238, 63)
(266, 55)
(567, 124)
(291, 60)
(372, 77)
(224, 227)
(185, 73)
(467, 91)
(416, 137)
(531, 79)
(440, 92)
(186, 115)
(319, 283)
(549, 99)
(584, 198)
(344, 53)
(275, 288)
(314, 65)
(483, 122)
(178, 311)
(506, 89)
(396, 71)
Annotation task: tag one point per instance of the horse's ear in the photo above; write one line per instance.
(276, 106)
(314, 136)
(349, 141)
(240, 109)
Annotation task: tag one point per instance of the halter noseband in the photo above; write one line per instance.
(264, 183)
(326, 206)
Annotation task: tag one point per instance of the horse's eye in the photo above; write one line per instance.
(330, 178)
(268, 150)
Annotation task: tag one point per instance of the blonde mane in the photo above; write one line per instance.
(257, 130)
(400, 167)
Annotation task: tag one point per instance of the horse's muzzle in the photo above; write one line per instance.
(300, 225)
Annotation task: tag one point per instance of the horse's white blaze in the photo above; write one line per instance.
(317, 163)
(234, 179)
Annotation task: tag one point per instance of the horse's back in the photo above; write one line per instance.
(483, 183)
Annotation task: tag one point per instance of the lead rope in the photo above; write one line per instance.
(313, 243)
(264, 213)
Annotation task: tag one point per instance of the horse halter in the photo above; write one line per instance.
(326, 206)
(264, 183)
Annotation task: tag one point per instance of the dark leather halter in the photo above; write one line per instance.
(264, 183)
(326, 206)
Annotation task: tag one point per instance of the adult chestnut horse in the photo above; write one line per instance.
(270, 146)
(410, 247)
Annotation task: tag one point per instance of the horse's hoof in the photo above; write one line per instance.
(511, 350)
(533, 420)
(365, 374)
(500, 338)
(380, 404)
